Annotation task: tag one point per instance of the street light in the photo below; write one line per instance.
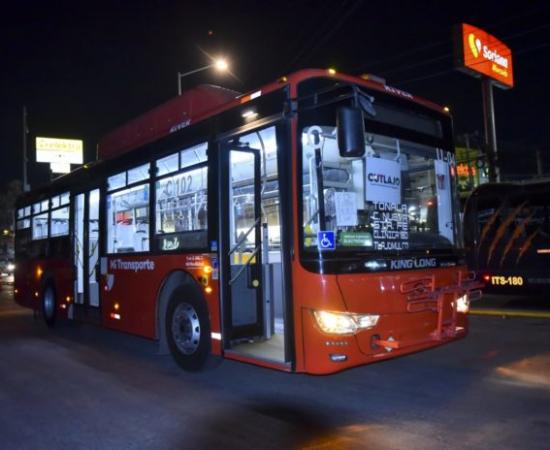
(219, 64)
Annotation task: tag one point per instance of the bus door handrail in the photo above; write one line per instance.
(245, 265)
(238, 244)
(243, 238)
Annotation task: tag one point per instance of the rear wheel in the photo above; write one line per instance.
(188, 330)
(49, 305)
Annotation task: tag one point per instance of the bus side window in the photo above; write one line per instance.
(128, 220)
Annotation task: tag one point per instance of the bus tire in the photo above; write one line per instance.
(49, 305)
(188, 330)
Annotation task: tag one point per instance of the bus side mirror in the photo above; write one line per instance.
(351, 132)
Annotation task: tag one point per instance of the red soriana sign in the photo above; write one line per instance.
(479, 53)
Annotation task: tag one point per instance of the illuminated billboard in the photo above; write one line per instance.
(60, 153)
(481, 54)
(52, 150)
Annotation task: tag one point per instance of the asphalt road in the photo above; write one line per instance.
(81, 387)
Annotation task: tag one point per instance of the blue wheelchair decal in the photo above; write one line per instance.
(326, 240)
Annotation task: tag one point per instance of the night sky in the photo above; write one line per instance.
(82, 69)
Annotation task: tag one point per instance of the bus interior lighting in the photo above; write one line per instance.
(344, 323)
(249, 114)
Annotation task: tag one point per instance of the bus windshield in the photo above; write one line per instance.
(398, 197)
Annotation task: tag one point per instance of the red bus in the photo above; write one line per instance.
(308, 226)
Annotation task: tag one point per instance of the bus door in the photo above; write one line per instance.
(252, 282)
(243, 253)
(86, 247)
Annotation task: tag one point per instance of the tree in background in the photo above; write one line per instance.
(8, 195)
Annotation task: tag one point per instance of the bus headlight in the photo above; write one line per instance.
(10, 267)
(344, 323)
(463, 304)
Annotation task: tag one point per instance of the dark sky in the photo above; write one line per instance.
(82, 68)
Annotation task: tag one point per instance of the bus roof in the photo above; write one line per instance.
(204, 101)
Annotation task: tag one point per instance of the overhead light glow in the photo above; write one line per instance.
(221, 64)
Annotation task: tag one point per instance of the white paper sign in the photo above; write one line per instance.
(346, 209)
(383, 181)
(444, 200)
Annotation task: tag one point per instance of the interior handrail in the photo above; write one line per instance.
(245, 265)
(243, 238)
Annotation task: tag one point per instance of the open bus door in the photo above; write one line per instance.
(86, 240)
(253, 304)
(243, 253)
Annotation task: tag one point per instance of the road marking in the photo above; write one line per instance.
(510, 313)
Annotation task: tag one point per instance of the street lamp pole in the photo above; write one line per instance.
(219, 64)
(25, 132)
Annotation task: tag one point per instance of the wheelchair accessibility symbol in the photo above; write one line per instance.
(325, 240)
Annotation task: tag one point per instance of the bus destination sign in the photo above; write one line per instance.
(481, 54)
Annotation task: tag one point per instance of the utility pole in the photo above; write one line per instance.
(540, 170)
(490, 132)
(25, 132)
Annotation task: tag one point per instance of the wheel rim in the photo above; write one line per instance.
(186, 328)
(49, 303)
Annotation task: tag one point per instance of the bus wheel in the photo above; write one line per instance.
(49, 305)
(188, 330)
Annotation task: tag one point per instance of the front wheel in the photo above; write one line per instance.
(188, 330)
(49, 305)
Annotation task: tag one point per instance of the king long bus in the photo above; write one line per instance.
(309, 226)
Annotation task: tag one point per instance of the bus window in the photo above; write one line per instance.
(181, 207)
(139, 173)
(59, 222)
(194, 155)
(55, 201)
(168, 164)
(128, 220)
(40, 226)
(397, 197)
(116, 181)
(64, 198)
(23, 223)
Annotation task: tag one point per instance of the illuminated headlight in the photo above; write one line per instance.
(10, 267)
(463, 304)
(344, 323)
